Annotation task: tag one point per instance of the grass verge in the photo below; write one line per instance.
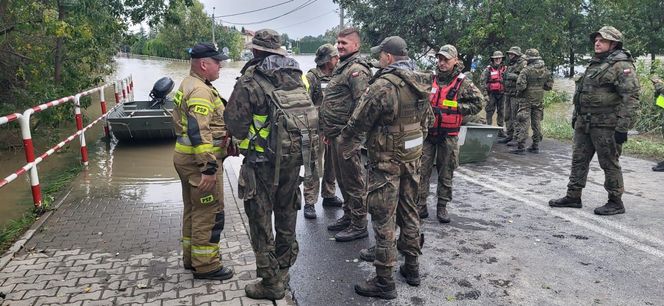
(51, 187)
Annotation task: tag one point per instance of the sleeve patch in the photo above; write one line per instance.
(199, 109)
(355, 74)
(627, 71)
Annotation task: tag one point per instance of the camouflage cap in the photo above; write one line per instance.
(515, 50)
(325, 53)
(608, 33)
(497, 54)
(532, 54)
(394, 45)
(448, 51)
(267, 40)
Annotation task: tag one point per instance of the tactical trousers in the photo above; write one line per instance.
(602, 142)
(495, 104)
(446, 156)
(350, 177)
(528, 112)
(392, 200)
(327, 186)
(202, 218)
(276, 249)
(510, 114)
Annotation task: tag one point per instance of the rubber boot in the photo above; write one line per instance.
(566, 202)
(309, 211)
(423, 211)
(369, 254)
(351, 233)
(332, 202)
(340, 223)
(266, 289)
(534, 148)
(441, 213)
(613, 207)
(505, 140)
(381, 286)
(411, 271)
(223, 273)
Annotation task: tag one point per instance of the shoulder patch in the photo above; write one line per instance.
(627, 71)
(355, 74)
(199, 109)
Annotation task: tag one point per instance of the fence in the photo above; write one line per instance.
(124, 91)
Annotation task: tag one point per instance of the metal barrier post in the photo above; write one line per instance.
(131, 86)
(79, 126)
(102, 101)
(116, 89)
(29, 149)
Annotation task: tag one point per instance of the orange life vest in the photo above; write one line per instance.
(495, 81)
(446, 108)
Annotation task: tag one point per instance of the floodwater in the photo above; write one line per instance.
(138, 171)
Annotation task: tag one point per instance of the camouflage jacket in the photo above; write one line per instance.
(484, 78)
(608, 92)
(317, 83)
(512, 74)
(533, 81)
(348, 82)
(470, 98)
(199, 122)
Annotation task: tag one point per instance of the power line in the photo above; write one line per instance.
(256, 10)
(299, 23)
(303, 5)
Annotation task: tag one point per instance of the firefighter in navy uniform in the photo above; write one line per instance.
(201, 144)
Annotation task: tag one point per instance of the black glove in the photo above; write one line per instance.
(620, 137)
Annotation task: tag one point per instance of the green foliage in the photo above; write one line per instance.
(556, 123)
(649, 114)
(555, 97)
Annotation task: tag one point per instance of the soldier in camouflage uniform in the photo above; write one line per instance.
(530, 86)
(604, 103)
(659, 94)
(393, 112)
(456, 96)
(349, 80)
(326, 59)
(200, 147)
(516, 63)
(246, 116)
(493, 87)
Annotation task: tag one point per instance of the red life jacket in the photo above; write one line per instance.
(495, 81)
(445, 108)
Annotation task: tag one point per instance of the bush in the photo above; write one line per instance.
(555, 97)
(648, 114)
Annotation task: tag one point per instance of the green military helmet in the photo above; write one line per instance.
(515, 50)
(532, 53)
(608, 33)
(497, 54)
(325, 53)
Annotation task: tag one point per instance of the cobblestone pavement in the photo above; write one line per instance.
(104, 247)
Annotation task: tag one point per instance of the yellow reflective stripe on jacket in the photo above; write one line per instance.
(258, 121)
(178, 98)
(202, 148)
(186, 242)
(306, 82)
(204, 251)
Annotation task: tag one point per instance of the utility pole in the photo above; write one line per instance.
(214, 42)
(341, 18)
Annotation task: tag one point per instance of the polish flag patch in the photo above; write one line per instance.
(354, 74)
(627, 71)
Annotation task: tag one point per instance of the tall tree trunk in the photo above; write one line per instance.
(59, 46)
(652, 64)
(571, 62)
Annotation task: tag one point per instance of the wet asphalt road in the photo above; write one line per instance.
(506, 246)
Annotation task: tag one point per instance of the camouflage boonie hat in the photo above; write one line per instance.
(608, 33)
(448, 51)
(532, 54)
(325, 53)
(497, 54)
(515, 50)
(267, 40)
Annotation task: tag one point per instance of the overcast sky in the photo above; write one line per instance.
(313, 19)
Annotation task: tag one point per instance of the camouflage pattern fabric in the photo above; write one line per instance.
(512, 101)
(531, 84)
(351, 175)
(495, 100)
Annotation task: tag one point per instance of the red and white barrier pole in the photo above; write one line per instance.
(116, 90)
(131, 86)
(79, 126)
(102, 101)
(124, 91)
(28, 147)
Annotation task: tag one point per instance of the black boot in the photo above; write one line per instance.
(332, 202)
(423, 211)
(441, 213)
(659, 167)
(351, 233)
(505, 140)
(613, 207)
(534, 148)
(519, 150)
(309, 211)
(223, 273)
(380, 287)
(368, 254)
(501, 134)
(566, 202)
(411, 271)
(340, 224)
